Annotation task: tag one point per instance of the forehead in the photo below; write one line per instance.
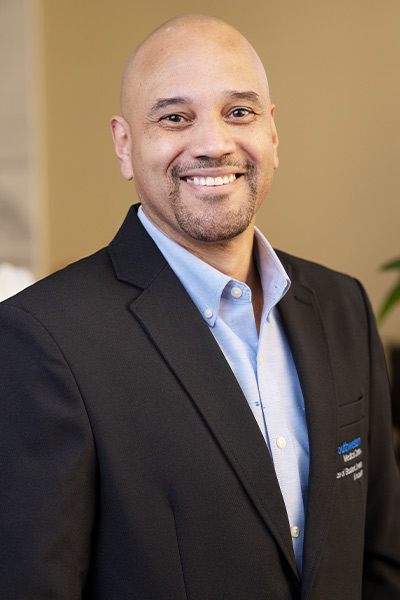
(195, 67)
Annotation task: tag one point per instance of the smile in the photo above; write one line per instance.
(211, 181)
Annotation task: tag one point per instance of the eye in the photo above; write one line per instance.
(175, 121)
(173, 118)
(242, 114)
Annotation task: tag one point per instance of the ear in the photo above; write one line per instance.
(121, 135)
(275, 140)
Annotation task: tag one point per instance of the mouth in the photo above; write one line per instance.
(212, 181)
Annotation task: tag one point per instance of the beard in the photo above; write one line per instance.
(215, 221)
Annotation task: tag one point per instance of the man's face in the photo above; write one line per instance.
(203, 145)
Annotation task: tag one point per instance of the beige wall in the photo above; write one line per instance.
(334, 76)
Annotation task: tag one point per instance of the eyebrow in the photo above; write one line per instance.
(166, 102)
(246, 95)
(162, 103)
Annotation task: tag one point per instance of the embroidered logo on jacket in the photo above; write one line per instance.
(350, 451)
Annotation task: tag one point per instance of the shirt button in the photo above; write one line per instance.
(281, 442)
(236, 292)
(208, 313)
(260, 360)
(294, 531)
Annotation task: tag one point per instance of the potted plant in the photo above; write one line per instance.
(393, 298)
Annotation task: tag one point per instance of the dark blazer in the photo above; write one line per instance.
(132, 468)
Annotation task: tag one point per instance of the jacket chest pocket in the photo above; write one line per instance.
(352, 443)
(352, 413)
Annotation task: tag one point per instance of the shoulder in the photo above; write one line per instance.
(67, 298)
(307, 271)
(318, 277)
(337, 294)
(70, 280)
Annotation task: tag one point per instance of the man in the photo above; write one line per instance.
(185, 415)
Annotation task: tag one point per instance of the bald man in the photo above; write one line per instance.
(186, 414)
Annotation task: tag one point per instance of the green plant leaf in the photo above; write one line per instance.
(391, 299)
(393, 264)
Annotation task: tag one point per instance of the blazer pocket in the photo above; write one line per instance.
(351, 413)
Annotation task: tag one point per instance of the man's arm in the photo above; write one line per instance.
(47, 466)
(381, 577)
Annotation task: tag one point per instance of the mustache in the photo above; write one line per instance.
(212, 163)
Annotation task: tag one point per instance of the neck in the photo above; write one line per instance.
(232, 257)
(235, 259)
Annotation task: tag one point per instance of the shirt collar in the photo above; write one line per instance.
(205, 285)
(274, 279)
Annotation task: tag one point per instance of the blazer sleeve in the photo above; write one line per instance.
(381, 575)
(47, 466)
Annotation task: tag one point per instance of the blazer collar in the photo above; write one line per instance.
(135, 257)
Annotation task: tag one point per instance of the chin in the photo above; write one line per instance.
(213, 227)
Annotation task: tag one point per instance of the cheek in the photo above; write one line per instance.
(160, 147)
(266, 154)
(155, 158)
(150, 163)
(144, 165)
(265, 157)
(258, 145)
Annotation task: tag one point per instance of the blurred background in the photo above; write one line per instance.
(334, 75)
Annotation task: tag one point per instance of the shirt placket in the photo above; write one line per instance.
(281, 448)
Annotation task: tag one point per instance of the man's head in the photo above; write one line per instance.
(197, 133)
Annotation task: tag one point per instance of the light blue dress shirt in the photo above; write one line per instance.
(262, 364)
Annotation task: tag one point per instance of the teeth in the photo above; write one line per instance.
(211, 181)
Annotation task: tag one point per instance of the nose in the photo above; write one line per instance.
(211, 138)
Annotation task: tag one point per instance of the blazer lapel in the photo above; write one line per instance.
(180, 334)
(187, 345)
(309, 345)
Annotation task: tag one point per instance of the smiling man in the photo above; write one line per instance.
(198, 135)
(188, 415)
